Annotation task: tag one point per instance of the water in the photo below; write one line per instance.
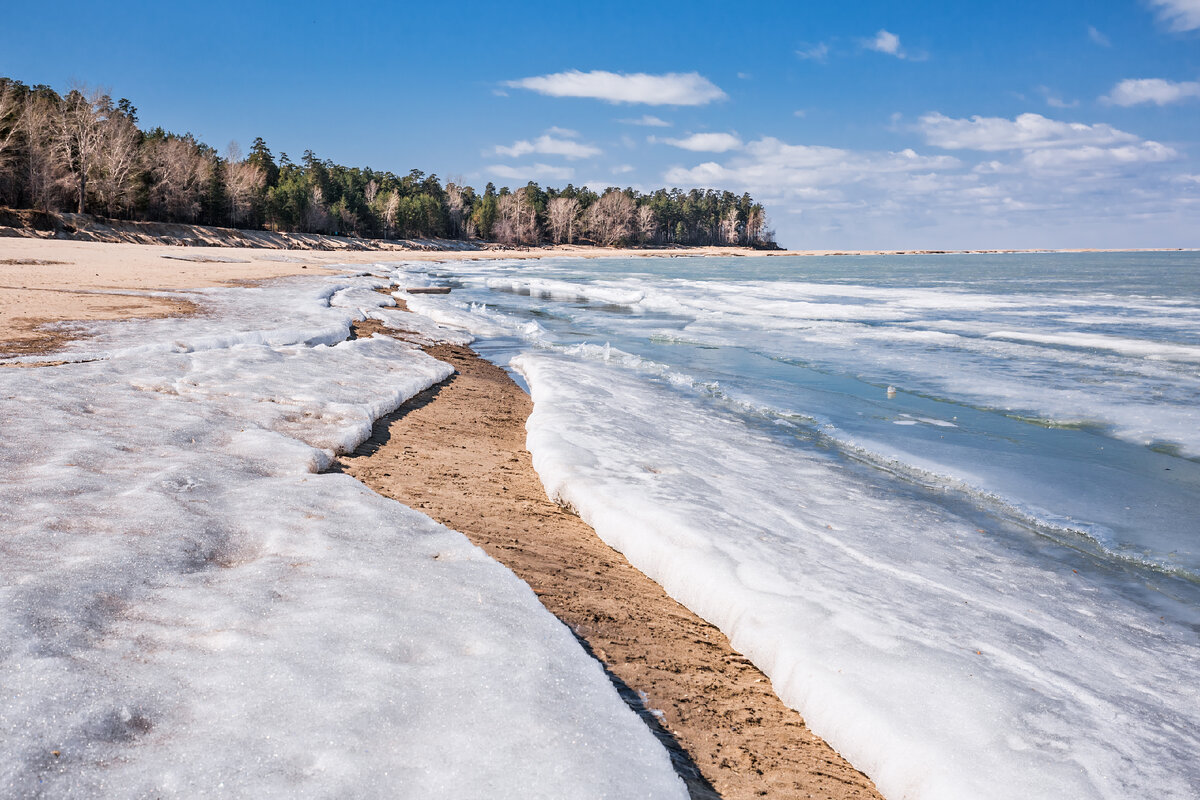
(946, 502)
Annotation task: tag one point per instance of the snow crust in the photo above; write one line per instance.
(187, 608)
(939, 662)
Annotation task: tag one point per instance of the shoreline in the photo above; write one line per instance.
(46, 284)
(745, 742)
(457, 453)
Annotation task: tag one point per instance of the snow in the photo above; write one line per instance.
(943, 663)
(190, 608)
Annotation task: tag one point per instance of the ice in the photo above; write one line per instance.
(994, 597)
(935, 658)
(189, 608)
(563, 290)
(1049, 355)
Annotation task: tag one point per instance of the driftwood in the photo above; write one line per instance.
(428, 290)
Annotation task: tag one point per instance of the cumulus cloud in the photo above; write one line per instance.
(647, 121)
(550, 145)
(1042, 180)
(886, 42)
(1178, 15)
(669, 89)
(1131, 92)
(531, 173)
(1045, 145)
(707, 142)
(804, 170)
(1028, 131)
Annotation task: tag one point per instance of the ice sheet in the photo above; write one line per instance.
(995, 597)
(940, 659)
(188, 609)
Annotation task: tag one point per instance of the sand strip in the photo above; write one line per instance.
(457, 452)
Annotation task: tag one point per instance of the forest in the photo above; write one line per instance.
(82, 152)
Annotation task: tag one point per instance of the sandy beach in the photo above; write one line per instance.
(47, 282)
(457, 453)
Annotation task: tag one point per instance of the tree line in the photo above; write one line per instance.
(85, 153)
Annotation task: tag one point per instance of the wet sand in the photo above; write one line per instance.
(457, 453)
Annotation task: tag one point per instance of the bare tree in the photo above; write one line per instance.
(79, 134)
(610, 218)
(178, 174)
(116, 164)
(563, 213)
(41, 169)
(647, 224)
(391, 208)
(729, 227)
(244, 180)
(371, 191)
(10, 114)
(316, 213)
(456, 208)
(756, 224)
(505, 230)
(516, 219)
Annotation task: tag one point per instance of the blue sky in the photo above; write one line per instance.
(860, 125)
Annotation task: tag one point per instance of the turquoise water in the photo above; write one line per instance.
(1058, 389)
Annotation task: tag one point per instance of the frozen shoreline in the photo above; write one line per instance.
(947, 650)
(189, 607)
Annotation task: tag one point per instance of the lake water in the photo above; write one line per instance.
(949, 503)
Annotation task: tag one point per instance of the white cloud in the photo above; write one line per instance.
(568, 132)
(669, 89)
(1097, 37)
(1131, 92)
(1179, 15)
(1026, 132)
(1053, 183)
(622, 169)
(776, 167)
(646, 120)
(1055, 101)
(707, 142)
(549, 145)
(532, 172)
(814, 52)
(886, 42)
(1045, 145)
(1073, 159)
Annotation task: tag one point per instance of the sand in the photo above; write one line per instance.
(45, 283)
(457, 453)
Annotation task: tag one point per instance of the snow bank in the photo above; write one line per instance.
(943, 663)
(189, 609)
